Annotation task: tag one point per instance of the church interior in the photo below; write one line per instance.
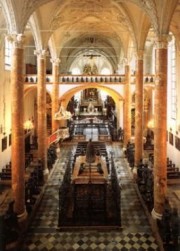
(90, 125)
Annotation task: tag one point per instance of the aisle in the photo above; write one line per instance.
(91, 133)
(135, 235)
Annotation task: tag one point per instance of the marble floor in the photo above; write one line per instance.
(136, 234)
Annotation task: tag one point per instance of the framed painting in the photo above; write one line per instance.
(177, 143)
(9, 139)
(4, 143)
(171, 138)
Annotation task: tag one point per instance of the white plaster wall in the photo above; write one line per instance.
(30, 58)
(29, 101)
(178, 91)
(65, 88)
(5, 110)
(173, 154)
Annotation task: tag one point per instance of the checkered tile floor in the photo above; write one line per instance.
(136, 234)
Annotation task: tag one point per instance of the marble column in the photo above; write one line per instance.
(160, 120)
(139, 109)
(55, 92)
(127, 106)
(146, 113)
(41, 109)
(17, 119)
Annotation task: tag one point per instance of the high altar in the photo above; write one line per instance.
(90, 103)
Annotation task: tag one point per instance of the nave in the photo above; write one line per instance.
(136, 234)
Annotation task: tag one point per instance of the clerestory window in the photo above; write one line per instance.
(7, 54)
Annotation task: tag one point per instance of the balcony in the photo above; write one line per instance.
(81, 79)
(92, 79)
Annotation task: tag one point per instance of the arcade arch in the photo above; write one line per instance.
(118, 99)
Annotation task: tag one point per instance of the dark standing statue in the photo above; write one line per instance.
(90, 152)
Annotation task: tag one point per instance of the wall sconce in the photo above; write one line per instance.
(151, 124)
(2, 130)
(28, 125)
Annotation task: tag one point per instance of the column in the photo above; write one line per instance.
(139, 109)
(17, 119)
(121, 120)
(146, 112)
(41, 109)
(160, 119)
(55, 92)
(127, 106)
(118, 113)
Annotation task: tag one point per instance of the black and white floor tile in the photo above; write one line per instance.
(136, 233)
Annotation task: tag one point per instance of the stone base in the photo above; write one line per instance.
(46, 174)
(155, 215)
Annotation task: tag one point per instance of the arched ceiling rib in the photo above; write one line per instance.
(119, 25)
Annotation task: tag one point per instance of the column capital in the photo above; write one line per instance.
(16, 39)
(41, 53)
(55, 61)
(158, 80)
(140, 54)
(125, 61)
(161, 41)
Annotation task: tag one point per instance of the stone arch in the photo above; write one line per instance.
(118, 99)
(31, 110)
(69, 94)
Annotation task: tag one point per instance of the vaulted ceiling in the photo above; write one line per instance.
(114, 29)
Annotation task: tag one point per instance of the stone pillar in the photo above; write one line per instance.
(17, 118)
(127, 106)
(55, 92)
(160, 119)
(41, 109)
(139, 109)
(146, 113)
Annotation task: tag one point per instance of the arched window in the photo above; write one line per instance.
(76, 71)
(7, 54)
(105, 71)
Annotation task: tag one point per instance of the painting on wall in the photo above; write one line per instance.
(171, 138)
(9, 139)
(177, 143)
(4, 143)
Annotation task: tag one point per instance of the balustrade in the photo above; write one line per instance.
(70, 79)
